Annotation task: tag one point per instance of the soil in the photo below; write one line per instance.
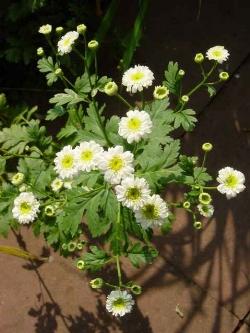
(200, 283)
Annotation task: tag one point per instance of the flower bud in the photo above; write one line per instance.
(45, 29)
(197, 225)
(181, 72)
(93, 45)
(23, 188)
(136, 289)
(40, 52)
(58, 71)
(80, 264)
(3, 100)
(65, 246)
(96, 283)
(81, 29)
(17, 179)
(185, 98)
(49, 210)
(186, 204)
(71, 246)
(224, 76)
(160, 92)
(199, 58)
(207, 146)
(79, 246)
(205, 198)
(111, 88)
(59, 30)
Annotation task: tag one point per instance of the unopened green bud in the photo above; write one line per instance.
(205, 198)
(27, 148)
(3, 100)
(23, 188)
(111, 88)
(197, 225)
(181, 72)
(207, 146)
(81, 29)
(80, 264)
(79, 246)
(96, 283)
(40, 52)
(136, 289)
(93, 45)
(17, 179)
(71, 246)
(186, 204)
(185, 98)
(45, 29)
(196, 187)
(59, 30)
(58, 71)
(65, 246)
(160, 92)
(49, 210)
(224, 76)
(199, 58)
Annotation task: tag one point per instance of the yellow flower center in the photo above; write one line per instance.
(217, 53)
(116, 163)
(87, 155)
(67, 42)
(67, 161)
(25, 208)
(150, 211)
(231, 181)
(137, 76)
(161, 91)
(133, 193)
(134, 124)
(119, 303)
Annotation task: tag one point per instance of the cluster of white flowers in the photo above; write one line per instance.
(26, 208)
(66, 42)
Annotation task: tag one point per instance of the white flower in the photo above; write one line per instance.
(217, 53)
(45, 29)
(26, 207)
(87, 155)
(119, 302)
(138, 77)
(231, 182)
(57, 184)
(132, 192)
(66, 163)
(66, 42)
(153, 212)
(135, 126)
(116, 164)
(206, 210)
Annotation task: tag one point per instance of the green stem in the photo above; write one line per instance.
(209, 187)
(118, 271)
(124, 101)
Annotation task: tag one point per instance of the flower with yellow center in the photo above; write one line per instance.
(56, 184)
(132, 192)
(135, 126)
(231, 182)
(119, 302)
(66, 163)
(66, 42)
(217, 53)
(87, 155)
(26, 208)
(116, 164)
(153, 212)
(136, 78)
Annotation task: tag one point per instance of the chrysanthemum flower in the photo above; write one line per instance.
(116, 164)
(56, 184)
(66, 42)
(119, 302)
(231, 182)
(153, 212)
(160, 92)
(132, 192)
(26, 207)
(87, 155)
(217, 53)
(136, 78)
(66, 163)
(45, 29)
(206, 210)
(135, 126)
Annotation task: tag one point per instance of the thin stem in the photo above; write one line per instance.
(209, 187)
(67, 80)
(124, 101)
(118, 271)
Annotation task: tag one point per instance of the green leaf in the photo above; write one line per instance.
(141, 254)
(46, 65)
(69, 97)
(186, 119)
(2, 165)
(82, 85)
(95, 259)
(211, 90)
(57, 111)
(172, 78)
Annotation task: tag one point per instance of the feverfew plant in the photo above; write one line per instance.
(108, 174)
